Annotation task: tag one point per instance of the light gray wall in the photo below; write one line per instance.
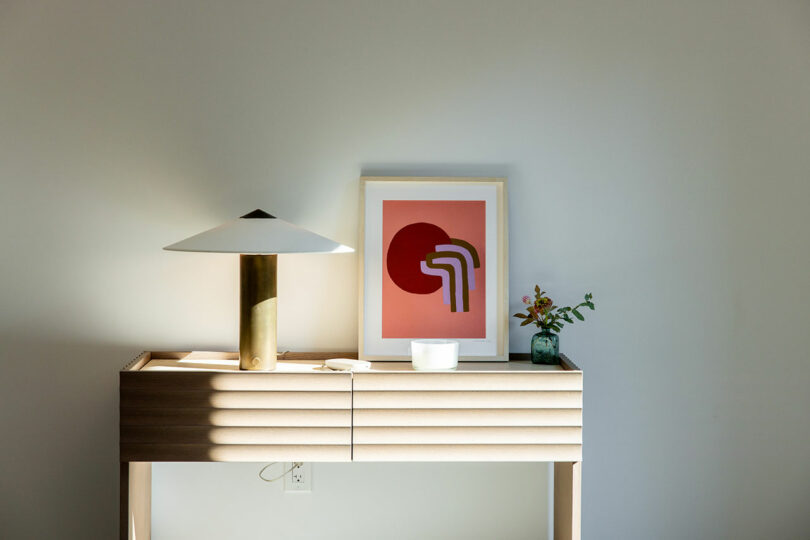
(657, 152)
(357, 501)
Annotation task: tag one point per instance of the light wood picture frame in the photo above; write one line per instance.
(433, 264)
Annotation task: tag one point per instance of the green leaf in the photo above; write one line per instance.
(537, 289)
(578, 315)
(527, 321)
(590, 305)
(520, 316)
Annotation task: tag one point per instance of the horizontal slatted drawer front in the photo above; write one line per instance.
(237, 417)
(468, 417)
(199, 416)
(465, 400)
(215, 399)
(468, 435)
(534, 416)
(235, 452)
(468, 452)
(236, 435)
(469, 381)
(250, 381)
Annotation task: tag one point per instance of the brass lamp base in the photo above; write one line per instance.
(257, 312)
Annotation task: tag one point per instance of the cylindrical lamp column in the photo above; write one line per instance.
(257, 312)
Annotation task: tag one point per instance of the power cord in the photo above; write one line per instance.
(279, 477)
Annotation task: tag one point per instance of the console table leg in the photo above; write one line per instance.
(567, 500)
(135, 521)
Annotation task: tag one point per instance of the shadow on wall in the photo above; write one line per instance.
(59, 422)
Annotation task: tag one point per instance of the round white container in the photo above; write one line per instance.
(434, 354)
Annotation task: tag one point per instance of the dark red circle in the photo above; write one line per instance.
(407, 250)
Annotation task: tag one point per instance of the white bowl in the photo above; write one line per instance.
(434, 354)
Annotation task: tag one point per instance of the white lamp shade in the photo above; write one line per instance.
(259, 233)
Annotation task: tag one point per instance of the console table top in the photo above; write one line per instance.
(313, 362)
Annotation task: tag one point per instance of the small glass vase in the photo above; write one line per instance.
(545, 347)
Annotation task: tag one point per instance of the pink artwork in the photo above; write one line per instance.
(433, 283)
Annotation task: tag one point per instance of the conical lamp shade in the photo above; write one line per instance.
(259, 233)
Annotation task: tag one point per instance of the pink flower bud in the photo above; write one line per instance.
(527, 300)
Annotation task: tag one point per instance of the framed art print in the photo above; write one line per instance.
(433, 265)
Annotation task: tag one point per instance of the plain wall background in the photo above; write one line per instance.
(363, 501)
(658, 155)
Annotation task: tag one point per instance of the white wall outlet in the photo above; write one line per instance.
(299, 479)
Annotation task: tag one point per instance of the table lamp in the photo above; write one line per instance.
(258, 237)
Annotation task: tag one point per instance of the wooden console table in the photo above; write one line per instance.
(198, 406)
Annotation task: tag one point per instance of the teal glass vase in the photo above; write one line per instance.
(545, 347)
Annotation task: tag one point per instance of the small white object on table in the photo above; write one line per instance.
(434, 354)
(347, 364)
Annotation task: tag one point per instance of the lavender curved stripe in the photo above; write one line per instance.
(467, 257)
(444, 274)
(456, 264)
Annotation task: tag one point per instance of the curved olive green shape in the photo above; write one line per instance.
(469, 247)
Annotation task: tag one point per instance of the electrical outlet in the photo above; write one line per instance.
(299, 479)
